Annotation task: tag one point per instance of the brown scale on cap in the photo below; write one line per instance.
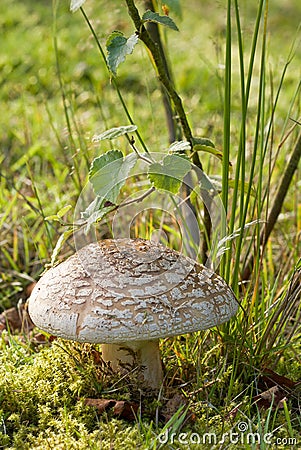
(129, 293)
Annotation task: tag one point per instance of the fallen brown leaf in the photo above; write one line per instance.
(29, 289)
(41, 338)
(270, 378)
(121, 408)
(275, 389)
(173, 405)
(126, 410)
(273, 396)
(101, 404)
(16, 319)
(96, 356)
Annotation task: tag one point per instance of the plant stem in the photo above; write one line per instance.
(132, 144)
(164, 77)
(227, 127)
(154, 33)
(244, 202)
(145, 37)
(114, 82)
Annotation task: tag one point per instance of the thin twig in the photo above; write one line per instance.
(139, 199)
(145, 37)
(113, 80)
(131, 141)
(154, 33)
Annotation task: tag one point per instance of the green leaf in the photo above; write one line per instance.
(95, 205)
(108, 173)
(202, 141)
(98, 207)
(76, 4)
(62, 239)
(169, 175)
(95, 212)
(118, 47)
(53, 217)
(114, 133)
(205, 145)
(179, 146)
(58, 217)
(209, 149)
(64, 210)
(151, 16)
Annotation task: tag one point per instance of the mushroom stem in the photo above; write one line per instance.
(143, 354)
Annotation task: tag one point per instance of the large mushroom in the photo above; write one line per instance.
(127, 294)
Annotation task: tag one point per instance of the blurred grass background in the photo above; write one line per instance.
(44, 166)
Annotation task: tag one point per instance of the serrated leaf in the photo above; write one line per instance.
(207, 183)
(112, 36)
(94, 215)
(169, 175)
(151, 16)
(202, 141)
(179, 146)
(208, 149)
(76, 4)
(118, 47)
(95, 205)
(104, 160)
(109, 172)
(114, 133)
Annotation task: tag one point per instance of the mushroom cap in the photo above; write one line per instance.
(122, 290)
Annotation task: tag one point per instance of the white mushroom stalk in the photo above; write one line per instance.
(127, 294)
(144, 355)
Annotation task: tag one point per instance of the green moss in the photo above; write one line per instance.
(42, 401)
(42, 404)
